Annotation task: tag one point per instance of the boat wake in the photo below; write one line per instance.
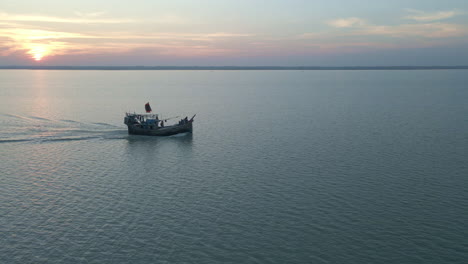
(35, 129)
(180, 135)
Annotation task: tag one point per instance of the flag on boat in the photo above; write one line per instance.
(148, 108)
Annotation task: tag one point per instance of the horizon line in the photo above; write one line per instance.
(63, 67)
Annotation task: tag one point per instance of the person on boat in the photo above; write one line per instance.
(185, 120)
(162, 123)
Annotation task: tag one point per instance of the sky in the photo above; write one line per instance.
(234, 32)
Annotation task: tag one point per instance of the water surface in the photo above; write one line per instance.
(282, 167)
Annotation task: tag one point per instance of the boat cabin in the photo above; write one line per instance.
(148, 121)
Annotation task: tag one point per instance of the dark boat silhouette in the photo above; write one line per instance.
(150, 125)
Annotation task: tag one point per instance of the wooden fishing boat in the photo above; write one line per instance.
(150, 124)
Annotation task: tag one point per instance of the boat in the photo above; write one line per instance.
(151, 125)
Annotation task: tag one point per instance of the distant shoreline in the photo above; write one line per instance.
(232, 68)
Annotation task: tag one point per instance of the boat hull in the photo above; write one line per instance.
(136, 129)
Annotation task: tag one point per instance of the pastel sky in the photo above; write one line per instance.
(234, 32)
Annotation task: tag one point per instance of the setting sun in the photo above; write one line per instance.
(38, 57)
(38, 52)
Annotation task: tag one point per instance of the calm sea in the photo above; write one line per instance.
(282, 167)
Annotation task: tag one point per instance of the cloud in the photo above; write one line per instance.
(90, 15)
(24, 33)
(20, 35)
(36, 34)
(168, 19)
(428, 30)
(359, 34)
(347, 22)
(422, 16)
(74, 20)
(360, 27)
(309, 36)
(91, 18)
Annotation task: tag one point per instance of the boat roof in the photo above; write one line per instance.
(145, 115)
